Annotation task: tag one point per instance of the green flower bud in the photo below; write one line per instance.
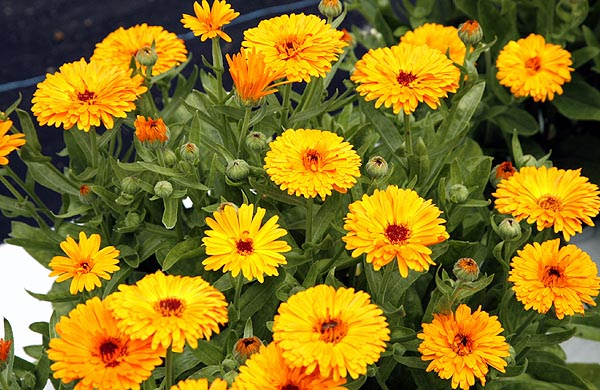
(163, 189)
(527, 160)
(509, 229)
(147, 56)
(125, 199)
(470, 32)
(458, 193)
(466, 269)
(86, 196)
(130, 185)
(331, 8)
(132, 219)
(237, 170)
(29, 380)
(169, 156)
(256, 141)
(190, 152)
(512, 358)
(377, 167)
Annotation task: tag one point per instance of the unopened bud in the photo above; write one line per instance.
(146, 56)
(4, 353)
(132, 219)
(246, 347)
(163, 189)
(129, 185)
(125, 199)
(470, 32)
(237, 170)
(500, 172)
(466, 269)
(29, 380)
(527, 160)
(509, 229)
(85, 194)
(331, 8)
(222, 206)
(256, 141)
(190, 152)
(458, 193)
(377, 167)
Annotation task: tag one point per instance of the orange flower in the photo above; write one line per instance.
(208, 21)
(151, 130)
(9, 142)
(4, 349)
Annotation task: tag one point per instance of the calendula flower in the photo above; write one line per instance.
(253, 80)
(200, 384)
(150, 130)
(208, 22)
(394, 223)
(4, 349)
(547, 274)
(462, 346)
(401, 76)
(300, 45)
(238, 243)
(85, 94)
(246, 347)
(308, 162)
(85, 262)
(8, 142)
(92, 349)
(549, 197)
(532, 67)
(268, 370)
(334, 332)
(169, 310)
(444, 39)
(120, 45)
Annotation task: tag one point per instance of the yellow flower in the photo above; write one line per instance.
(532, 67)
(8, 142)
(401, 76)
(120, 45)
(85, 94)
(462, 345)
(251, 77)
(550, 197)
(268, 370)
(169, 310)
(394, 223)
(200, 384)
(150, 130)
(445, 39)
(91, 348)
(335, 332)
(546, 274)
(238, 242)
(208, 21)
(300, 45)
(312, 162)
(85, 262)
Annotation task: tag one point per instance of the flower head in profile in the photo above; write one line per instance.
(394, 223)
(238, 243)
(169, 310)
(532, 67)
(151, 130)
(308, 162)
(4, 350)
(336, 332)
(84, 262)
(208, 22)
(405, 75)
(462, 345)
(8, 142)
(200, 384)
(546, 274)
(268, 370)
(120, 45)
(444, 39)
(85, 94)
(299, 45)
(253, 80)
(549, 197)
(246, 347)
(92, 349)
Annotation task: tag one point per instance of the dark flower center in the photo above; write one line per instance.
(84, 266)
(534, 64)
(332, 331)
(170, 307)
(245, 245)
(86, 96)
(462, 344)
(549, 202)
(290, 47)
(311, 160)
(290, 386)
(397, 234)
(110, 350)
(552, 277)
(405, 78)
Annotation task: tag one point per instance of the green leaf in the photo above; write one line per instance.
(54, 297)
(169, 218)
(33, 144)
(516, 119)
(192, 247)
(208, 353)
(580, 101)
(542, 340)
(385, 127)
(461, 112)
(48, 176)
(556, 373)
(587, 371)
(585, 54)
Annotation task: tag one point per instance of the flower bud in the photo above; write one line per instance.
(85, 194)
(222, 206)
(4, 352)
(500, 172)
(169, 156)
(509, 229)
(125, 199)
(256, 141)
(132, 219)
(130, 185)
(466, 269)
(458, 193)
(237, 170)
(246, 347)
(29, 380)
(163, 189)
(527, 160)
(190, 152)
(470, 32)
(331, 8)
(146, 56)
(377, 167)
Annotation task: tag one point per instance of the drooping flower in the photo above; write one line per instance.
(170, 310)
(500, 172)
(91, 348)
(300, 45)
(200, 384)
(120, 45)
(308, 162)
(545, 274)
(532, 67)
(8, 142)
(462, 346)
(150, 130)
(246, 347)
(253, 80)
(85, 262)
(549, 197)
(445, 39)
(404, 75)
(334, 332)
(208, 22)
(85, 94)
(268, 370)
(394, 223)
(238, 243)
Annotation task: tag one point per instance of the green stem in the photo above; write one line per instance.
(407, 135)
(3, 381)
(161, 157)
(286, 103)
(94, 147)
(29, 193)
(23, 201)
(169, 368)
(218, 67)
(309, 220)
(243, 130)
(239, 283)
(387, 273)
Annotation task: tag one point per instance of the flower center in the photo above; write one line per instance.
(549, 202)
(332, 331)
(312, 160)
(84, 266)
(110, 351)
(405, 78)
(170, 307)
(552, 277)
(290, 386)
(86, 96)
(533, 64)
(397, 234)
(462, 344)
(290, 47)
(245, 245)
